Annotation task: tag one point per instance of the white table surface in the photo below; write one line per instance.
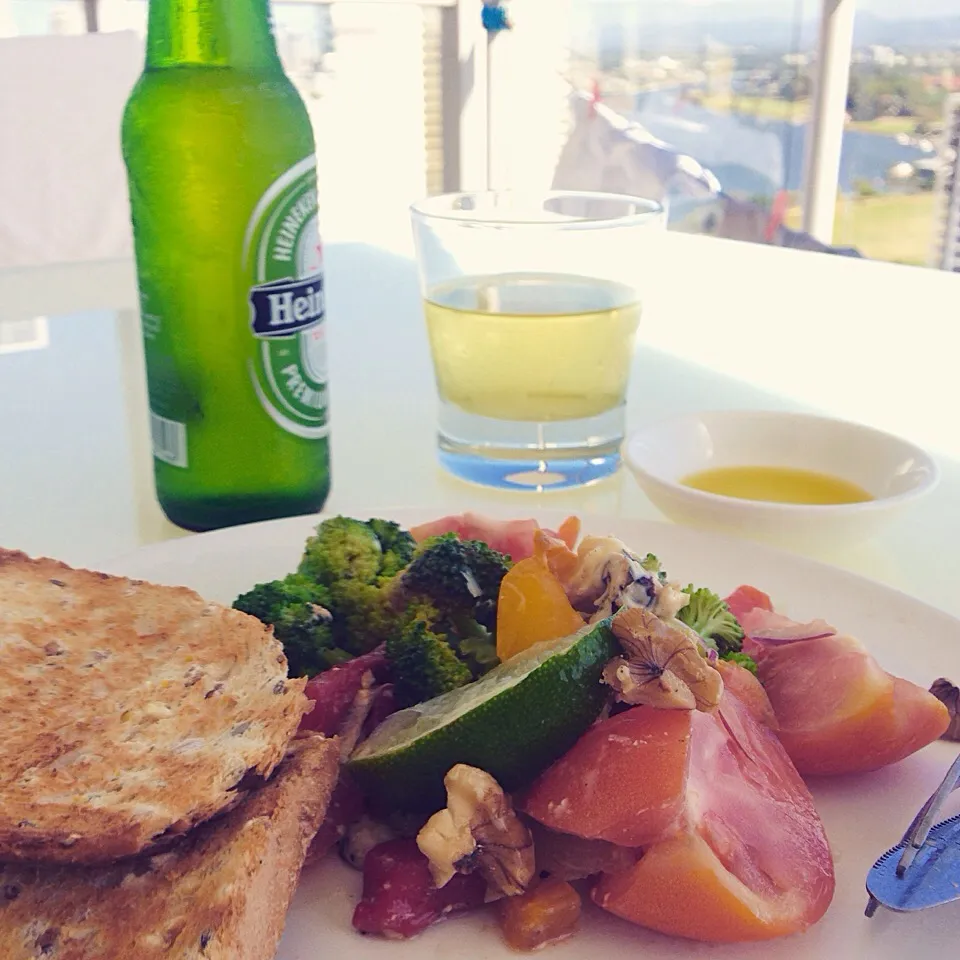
(725, 325)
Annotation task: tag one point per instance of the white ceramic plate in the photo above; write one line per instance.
(863, 815)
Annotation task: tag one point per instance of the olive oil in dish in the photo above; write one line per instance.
(777, 485)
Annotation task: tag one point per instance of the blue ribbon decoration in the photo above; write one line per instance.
(495, 17)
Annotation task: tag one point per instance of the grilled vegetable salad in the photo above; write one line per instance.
(528, 718)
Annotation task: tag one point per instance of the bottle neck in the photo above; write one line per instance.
(215, 33)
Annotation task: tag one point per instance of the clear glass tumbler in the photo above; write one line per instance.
(532, 306)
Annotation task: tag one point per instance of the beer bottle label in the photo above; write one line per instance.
(288, 365)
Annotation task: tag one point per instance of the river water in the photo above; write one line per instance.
(757, 156)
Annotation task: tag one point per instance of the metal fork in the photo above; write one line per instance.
(913, 841)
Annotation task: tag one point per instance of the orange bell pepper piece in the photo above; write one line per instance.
(532, 607)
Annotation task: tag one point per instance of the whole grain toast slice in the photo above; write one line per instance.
(219, 893)
(129, 712)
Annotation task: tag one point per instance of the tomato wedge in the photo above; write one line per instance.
(623, 781)
(733, 847)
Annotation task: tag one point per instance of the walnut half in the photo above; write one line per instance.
(478, 830)
(663, 666)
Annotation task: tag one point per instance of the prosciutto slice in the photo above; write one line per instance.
(512, 537)
(838, 710)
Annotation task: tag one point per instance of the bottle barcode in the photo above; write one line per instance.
(169, 440)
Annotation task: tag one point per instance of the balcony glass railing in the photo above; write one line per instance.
(728, 87)
(831, 121)
(792, 121)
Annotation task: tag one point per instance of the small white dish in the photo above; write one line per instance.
(896, 473)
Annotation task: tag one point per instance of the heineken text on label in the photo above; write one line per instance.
(282, 249)
(283, 307)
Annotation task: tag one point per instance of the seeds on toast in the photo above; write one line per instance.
(130, 711)
(220, 893)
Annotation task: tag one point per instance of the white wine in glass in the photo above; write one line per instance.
(532, 347)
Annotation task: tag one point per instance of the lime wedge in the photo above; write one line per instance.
(513, 722)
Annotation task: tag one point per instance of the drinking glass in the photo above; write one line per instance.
(532, 305)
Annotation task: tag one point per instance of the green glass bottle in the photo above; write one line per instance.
(223, 194)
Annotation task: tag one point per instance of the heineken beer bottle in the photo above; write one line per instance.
(220, 159)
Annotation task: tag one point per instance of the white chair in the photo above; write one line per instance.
(65, 238)
(63, 194)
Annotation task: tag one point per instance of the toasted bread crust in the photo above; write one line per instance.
(221, 893)
(129, 712)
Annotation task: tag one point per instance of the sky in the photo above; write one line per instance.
(891, 9)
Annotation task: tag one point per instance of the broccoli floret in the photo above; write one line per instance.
(460, 577)
(479, 651)
(346, 549)
(298, 611)
(397, 545)
(266, 600)
(424, 664)
(342, 549)
(651, 563)
(362, 616)
(472, 642)
(451, 587)
(711, 618)
(362, 584)
(743, 659)
(469, 644)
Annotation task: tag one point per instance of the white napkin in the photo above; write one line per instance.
(63, 191)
